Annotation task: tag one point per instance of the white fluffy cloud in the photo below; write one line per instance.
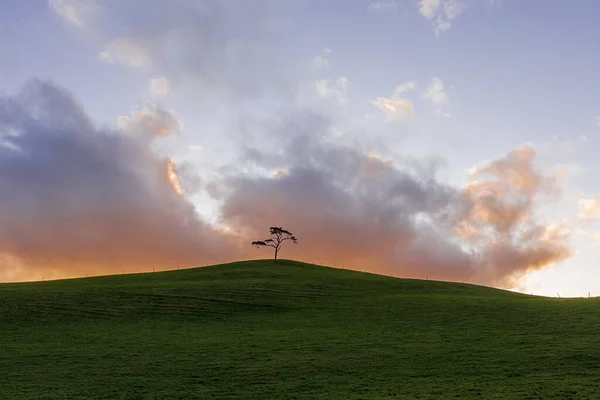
(405, 87)
(159, 85)
(437, 96)
(153, 120)
(337, 90)
(321, 60)
(589, 207)
(397, 107)
(192, 43)
(383, 5)
(428, 8)
(436, 92)
(126, 52)
(73, 11)
(440, 12)
(394, 108)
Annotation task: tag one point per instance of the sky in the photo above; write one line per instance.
(448, 139)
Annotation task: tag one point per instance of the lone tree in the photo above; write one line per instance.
(278, 236)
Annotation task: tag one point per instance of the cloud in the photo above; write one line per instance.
(125, 51)
(438, 112)
(77, 199)
(437, 96)
(397, 108)
(383, 5)
(337, 90)
(405, 87)
(436, 92)
(501, 223)
(592, 237)
(394, 108)
(352, 209)
(597, 120)
(440, 12)
(159, 85)
(192, 45)
(98, 200)
(150, 122)
(321, 60)
(589, 208)
(378, 158)
(73, 12)
(428, 8)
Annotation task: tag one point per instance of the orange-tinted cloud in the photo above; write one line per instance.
(172, 177)
(159, 85)
(394, 108)
(501, 221)
(77, 200)
(152, 121)
(589, 208)
(352, 210)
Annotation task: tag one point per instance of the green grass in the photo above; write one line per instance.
(286, 330)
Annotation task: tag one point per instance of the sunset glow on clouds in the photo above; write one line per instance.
(407, 138)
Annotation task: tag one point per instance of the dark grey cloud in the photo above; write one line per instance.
(355, 210)
(76, 199)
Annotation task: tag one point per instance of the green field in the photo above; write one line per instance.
(287, 330)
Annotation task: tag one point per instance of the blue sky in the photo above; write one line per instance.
(468, 81)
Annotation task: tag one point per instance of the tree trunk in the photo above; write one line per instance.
(276, 251)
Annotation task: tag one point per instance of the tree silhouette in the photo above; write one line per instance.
(278, 236)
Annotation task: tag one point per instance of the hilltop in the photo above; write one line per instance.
(284, 330)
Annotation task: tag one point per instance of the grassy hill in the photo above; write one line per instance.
(289, 330)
